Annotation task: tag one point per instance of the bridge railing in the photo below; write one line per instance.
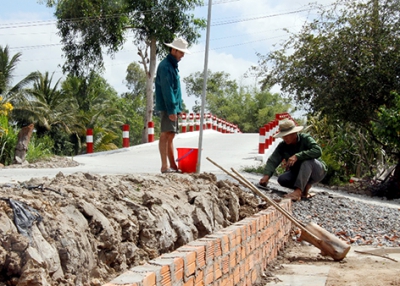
(267, 143)
(191, 122)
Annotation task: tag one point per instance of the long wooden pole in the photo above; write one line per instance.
(249, 185)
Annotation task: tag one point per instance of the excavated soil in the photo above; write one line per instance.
(85, 229)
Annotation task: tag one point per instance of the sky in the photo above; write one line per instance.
(239, 30)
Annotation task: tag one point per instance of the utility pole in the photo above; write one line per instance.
(203, 95)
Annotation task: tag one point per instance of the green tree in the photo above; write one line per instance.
(98, 107)
(133, 103)
(10, 95)
(247, 107)
(46, 106)
(51, 111)
(8, 65)
(88, 27)
(341, 144)
(345, 66)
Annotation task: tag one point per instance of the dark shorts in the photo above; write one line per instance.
(167, 125)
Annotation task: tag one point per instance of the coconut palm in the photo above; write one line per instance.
(98, 109)
(8, 64)
(46, 106)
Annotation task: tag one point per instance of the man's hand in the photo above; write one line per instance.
(173, 117)
(290, 162)
(264, 181)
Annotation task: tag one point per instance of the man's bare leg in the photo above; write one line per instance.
(295, 196)
(171, 151)
(163, 148)
(305, 193)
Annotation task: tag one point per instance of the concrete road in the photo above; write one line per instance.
(228, 150)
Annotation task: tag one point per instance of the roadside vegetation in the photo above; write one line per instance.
(341, 68)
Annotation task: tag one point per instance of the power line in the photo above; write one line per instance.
(53, 22)
(227, 22)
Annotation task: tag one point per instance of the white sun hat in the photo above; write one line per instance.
(286, 127)
(179, 44)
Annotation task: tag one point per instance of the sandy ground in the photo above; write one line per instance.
(363, 265)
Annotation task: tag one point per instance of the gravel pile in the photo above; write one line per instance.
(356, 222)
(356, 219)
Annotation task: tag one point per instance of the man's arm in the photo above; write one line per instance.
(311, 149)
(166, 84)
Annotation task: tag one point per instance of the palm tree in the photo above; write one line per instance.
(98, 109)
(7, 67)
(46, 106)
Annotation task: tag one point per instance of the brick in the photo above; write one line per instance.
(225, 265)
(247, 265)
(217, 269)
(149, 273)
(189, 261)
(128, 278)
(251, 261)
(176, 267)
(209, 247)
(200, 253)
(248, 280)
(238, 236)
(236, 275)
(232, 260)
(223, 242)
(227, 281)
(164, 275)
(242, 253)
(199, 279)
(189, 282)
(209, 274)
(242, 270)
(261, 220)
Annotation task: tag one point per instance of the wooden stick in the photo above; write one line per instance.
(249, 185)
(370, 253)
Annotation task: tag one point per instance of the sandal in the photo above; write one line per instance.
(294, 196)
(170, 170)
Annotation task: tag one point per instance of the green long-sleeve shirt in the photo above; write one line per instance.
(168, 87)
(306, 148)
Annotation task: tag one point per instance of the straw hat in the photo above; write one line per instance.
(179, 44)
(286, 127)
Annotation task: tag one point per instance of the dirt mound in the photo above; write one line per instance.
(51, 162)
(85, 229)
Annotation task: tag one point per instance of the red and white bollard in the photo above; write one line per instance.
(267, 135)
(208, 121)
(183, 123)
(219, 128)
(261, 142)
(197, 122)
(214, 122)
(223, 126)
(125, 136)
(191, 122)
(89, 141)
(150, 131)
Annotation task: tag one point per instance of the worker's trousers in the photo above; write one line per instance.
(310, 172)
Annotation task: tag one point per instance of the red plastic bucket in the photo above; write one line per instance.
(187, 159)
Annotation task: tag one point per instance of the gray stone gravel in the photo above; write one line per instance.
(359, 223)
(357, 219)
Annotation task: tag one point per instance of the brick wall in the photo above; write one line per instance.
(236, 255)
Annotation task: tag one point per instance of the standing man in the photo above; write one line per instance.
(301, 154)
(169, 102)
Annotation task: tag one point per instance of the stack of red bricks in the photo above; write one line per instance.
(236, 255)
